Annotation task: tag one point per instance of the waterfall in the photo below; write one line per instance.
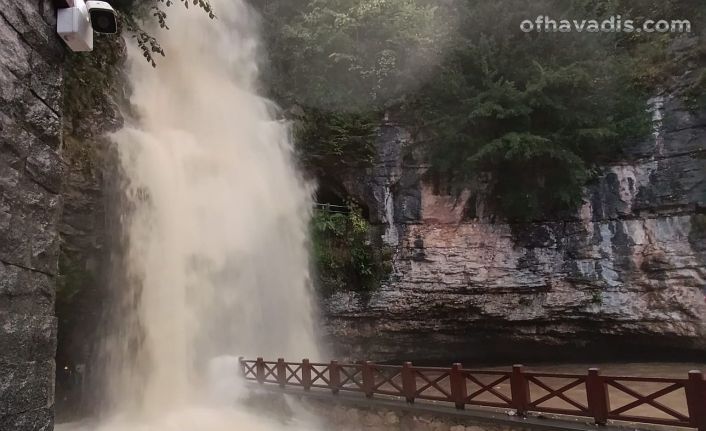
(216, 230)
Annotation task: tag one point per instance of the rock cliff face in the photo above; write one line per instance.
(31, 169)
(90, 222)
(627, 273)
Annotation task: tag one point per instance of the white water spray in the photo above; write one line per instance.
(217, 229)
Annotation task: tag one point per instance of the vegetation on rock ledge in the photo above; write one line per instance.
(345, 254)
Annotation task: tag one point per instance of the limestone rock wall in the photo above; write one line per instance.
(31, 57)
(626, 274)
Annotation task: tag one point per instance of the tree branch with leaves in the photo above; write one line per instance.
(133, 14)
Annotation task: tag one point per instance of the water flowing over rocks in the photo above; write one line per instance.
(199, 241)
(31, 169)
(627, 272)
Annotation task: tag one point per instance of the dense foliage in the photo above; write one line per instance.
(329, 142)
(537, 111)
(345, 255)
(534, 110)
(345, 55)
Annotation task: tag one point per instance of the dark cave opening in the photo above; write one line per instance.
(332, 196)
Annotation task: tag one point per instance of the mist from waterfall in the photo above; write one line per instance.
(216, 228)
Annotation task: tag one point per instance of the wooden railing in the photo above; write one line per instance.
(587, 395)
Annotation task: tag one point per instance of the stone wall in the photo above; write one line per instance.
(30, 205)
(625, 274)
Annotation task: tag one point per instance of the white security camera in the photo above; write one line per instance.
(76, 24)
(103, 17)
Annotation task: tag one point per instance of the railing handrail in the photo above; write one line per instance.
(411, 383)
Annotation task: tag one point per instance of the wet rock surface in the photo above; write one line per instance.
(31, 169)
(89, 229)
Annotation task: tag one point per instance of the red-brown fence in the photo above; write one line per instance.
(593, 395)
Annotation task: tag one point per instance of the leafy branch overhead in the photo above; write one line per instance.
(133, 13)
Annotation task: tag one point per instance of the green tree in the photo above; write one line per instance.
(352, 55)
(333, 142)
(533, 110)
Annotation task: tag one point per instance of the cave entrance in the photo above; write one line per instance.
(332, 196)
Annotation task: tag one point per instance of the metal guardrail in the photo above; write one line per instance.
(586, 395)
(333, 209)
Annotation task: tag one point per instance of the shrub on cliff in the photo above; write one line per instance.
(345, 255)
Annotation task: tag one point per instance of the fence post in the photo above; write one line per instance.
(459, 391)
(260, 370)
(306, 374)
(519, 388)
(409, 382)
(696, 399)
(281, 372)
(334, 377)
(368, 379)
(597, 396)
